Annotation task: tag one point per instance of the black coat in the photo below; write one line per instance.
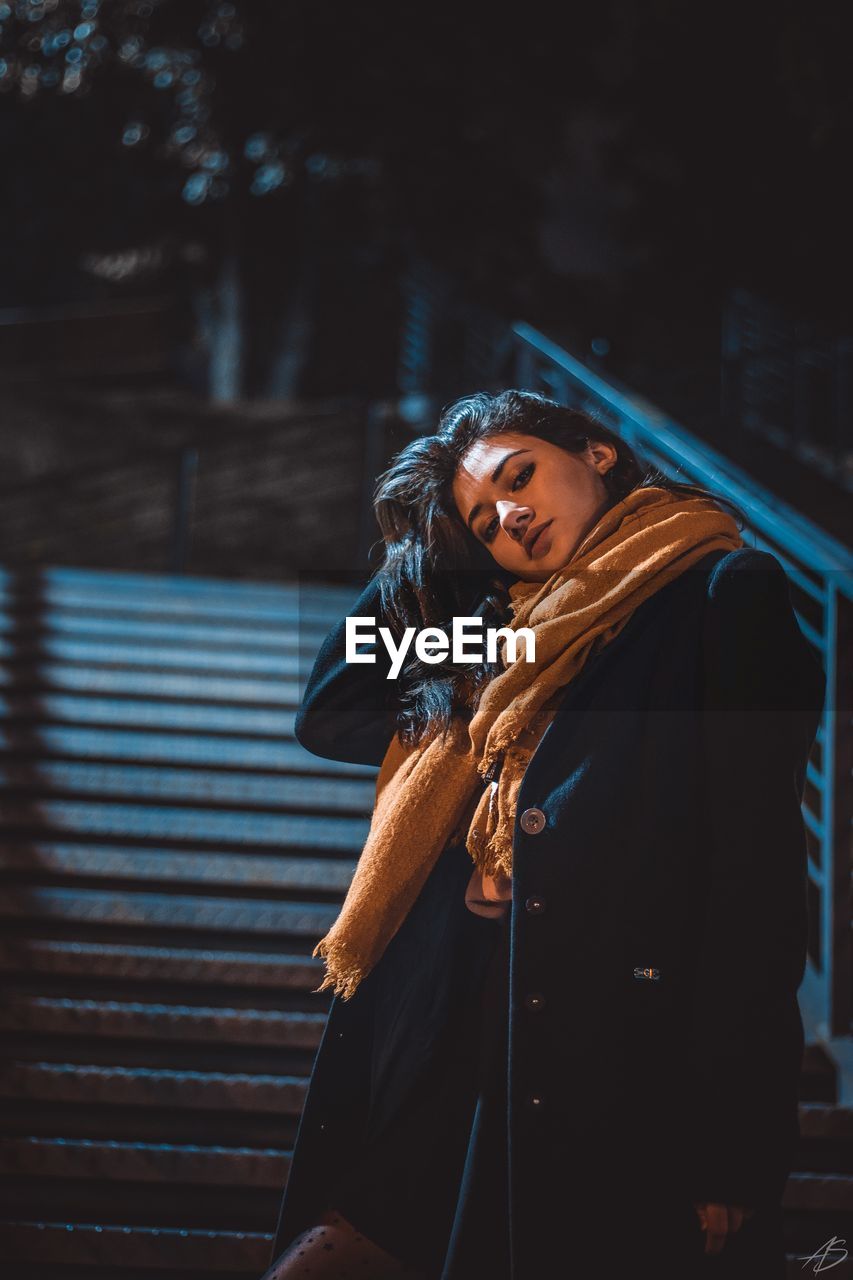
(670, 780)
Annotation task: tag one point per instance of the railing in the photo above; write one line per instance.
(820, 570)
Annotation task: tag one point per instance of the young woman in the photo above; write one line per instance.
(565, 1037)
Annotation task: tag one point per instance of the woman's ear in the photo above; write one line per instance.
(604, 455)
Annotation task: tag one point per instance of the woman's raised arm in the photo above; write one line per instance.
(348, 711)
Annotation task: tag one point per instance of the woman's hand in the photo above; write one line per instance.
(718, 1220)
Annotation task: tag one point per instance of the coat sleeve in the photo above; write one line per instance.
(763, 690)
(348, 710)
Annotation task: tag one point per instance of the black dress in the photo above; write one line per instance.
(438, 1101)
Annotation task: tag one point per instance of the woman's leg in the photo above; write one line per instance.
(334, 1249)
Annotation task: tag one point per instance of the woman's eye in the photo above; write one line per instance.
(524, 474)
(522, 478)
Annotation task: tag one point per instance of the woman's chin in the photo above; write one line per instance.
(541, 568)
(536, 573)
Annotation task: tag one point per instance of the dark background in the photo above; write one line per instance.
(210, 210)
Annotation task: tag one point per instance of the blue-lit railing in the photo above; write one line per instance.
(820, 570)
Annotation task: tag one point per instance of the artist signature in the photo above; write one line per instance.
(820, 1255)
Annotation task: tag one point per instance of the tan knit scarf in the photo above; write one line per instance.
(429, 793)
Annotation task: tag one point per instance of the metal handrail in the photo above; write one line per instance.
(654, 433)
(818, 566)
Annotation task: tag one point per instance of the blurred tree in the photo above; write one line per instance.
(309, 145)
(283, 136)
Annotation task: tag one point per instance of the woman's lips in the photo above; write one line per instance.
(541, 542)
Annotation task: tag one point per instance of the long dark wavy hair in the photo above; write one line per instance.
(434, 567)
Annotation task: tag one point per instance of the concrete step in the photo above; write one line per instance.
(117, 1019)
(137, 1205)
(203, 608)
(178, 1163)
(186, 585)
(187, 717)
(152, 794)
(87, 907)
(87, 1085)
(160, 965)
(90, 819)
(820, 1192)
(135, 1250)
(819, 1120)
(119, 682)
(239, 1210)
(28, 625)
(111, 862)
(130, 782)
(58, 579)
(237, 754)
(149, 656)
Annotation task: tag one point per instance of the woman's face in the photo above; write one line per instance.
(530, 502)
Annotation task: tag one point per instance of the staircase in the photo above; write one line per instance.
(170, 856)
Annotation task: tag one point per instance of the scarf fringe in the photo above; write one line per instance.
(343, 973)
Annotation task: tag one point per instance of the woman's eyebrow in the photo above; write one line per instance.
(478, 506)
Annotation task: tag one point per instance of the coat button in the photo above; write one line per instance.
(535, 906)
(535, 1101)
(532, 821)
(535, 1001)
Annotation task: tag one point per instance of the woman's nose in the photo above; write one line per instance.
(514, 519)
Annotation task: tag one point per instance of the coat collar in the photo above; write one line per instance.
(616, 645)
